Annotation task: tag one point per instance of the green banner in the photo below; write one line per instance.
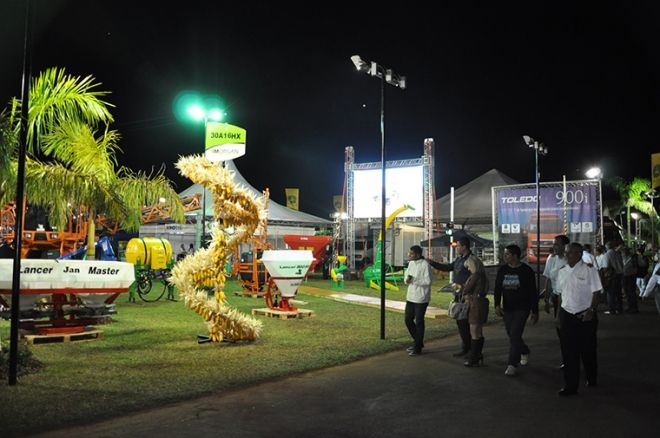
(218, 134)
(224, 141)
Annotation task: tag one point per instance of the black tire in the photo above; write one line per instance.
(144, 284)
(147, 292)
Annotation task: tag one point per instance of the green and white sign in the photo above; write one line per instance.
(224, 141)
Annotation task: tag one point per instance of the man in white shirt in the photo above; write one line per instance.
(552, 266)
(578, 284)
(588, 257)
(418, 278)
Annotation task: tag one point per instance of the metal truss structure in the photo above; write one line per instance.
(427, 161)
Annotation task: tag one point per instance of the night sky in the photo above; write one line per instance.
(584, 78)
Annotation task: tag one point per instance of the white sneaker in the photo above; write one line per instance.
(510, 370)
(524, 359)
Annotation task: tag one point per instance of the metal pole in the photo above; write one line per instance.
(383, 230)
(20, 183)
(203, 217)
(653, 221)
(203, 242)
(600, 202)
(538, 217)
(451, 237)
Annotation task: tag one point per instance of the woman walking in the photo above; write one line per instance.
(474, 292)
(516, 285)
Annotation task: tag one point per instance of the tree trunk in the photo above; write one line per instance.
(91, 232)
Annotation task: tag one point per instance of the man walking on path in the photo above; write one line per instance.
(418, 278)
(516, 283)
(579, 285)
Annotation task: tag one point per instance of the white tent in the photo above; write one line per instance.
(472, 202)
(277, 214)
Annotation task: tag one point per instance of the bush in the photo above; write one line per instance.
(26, 362)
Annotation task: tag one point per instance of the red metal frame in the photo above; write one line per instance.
(60, 323)
(273, 292)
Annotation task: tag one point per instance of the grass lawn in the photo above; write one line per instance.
(149, 356)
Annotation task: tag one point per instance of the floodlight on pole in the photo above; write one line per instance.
(636, 216)
(593, 173)
(539, 149)
(385, 75)
(198, 113)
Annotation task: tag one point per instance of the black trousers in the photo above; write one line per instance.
(578, 342)
(630, 289)
(514, 321)
(614, 301)
(414, 318)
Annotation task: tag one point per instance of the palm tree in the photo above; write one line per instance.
(70, 163)
(633, 196)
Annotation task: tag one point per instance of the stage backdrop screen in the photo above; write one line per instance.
(404, 185)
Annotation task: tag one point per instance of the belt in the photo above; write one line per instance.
(580, 315)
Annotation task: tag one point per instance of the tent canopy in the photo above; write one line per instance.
(443, 240)
(277, 214)
(472, 202)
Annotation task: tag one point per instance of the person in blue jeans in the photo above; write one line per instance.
(515, 285)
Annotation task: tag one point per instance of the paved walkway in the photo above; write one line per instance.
(432, 395)
(396, 306)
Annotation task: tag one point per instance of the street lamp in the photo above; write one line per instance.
(539, 149)
(594, 173)
(636, 216)
(198, 113)
(385, 75)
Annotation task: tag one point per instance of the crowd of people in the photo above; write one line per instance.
(575, 282)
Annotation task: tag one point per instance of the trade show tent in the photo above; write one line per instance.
(277, 214)
(472, 202)
(281, 220)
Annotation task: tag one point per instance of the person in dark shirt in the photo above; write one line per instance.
(516, 286)
(460, 276)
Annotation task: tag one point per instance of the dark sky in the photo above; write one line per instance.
(583, 77)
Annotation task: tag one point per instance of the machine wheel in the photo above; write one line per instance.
(147, 292)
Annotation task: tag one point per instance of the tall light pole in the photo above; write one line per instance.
(596, 173)
(385, 75)
(200, 114)
(20, 188)
(652, 194)
(636, 216)
(539, 149)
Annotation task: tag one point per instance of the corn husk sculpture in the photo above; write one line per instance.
(233, 207)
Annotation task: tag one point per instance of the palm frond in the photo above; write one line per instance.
(56, 96)
(8, 150)
(140, 190)
(73, 144)
(55, 187)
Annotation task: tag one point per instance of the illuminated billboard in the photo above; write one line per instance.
(404, 186)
